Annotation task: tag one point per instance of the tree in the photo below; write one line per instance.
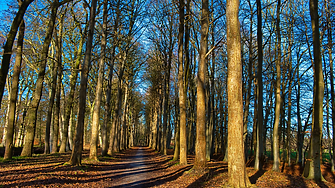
(260, 127)
(276, 159)
(236, 162)
(182, 90)
(77, 149)
(314, 167)
(200, 148)
(14, 93)
(98, 94)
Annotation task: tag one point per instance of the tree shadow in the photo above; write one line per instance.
(155, 181)
(296, 181)
(321, 184)
(253, 179)
(208, 175)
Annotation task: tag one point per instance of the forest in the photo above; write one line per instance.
(221, 93)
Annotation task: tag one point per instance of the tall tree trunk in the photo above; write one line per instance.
(200, 148)
(276, 157)
(315, 149)
(177, 126)
(59, 87)
(50, 107)
(7, 53)
(37, 94)
(13, 93)
(182, 89)
(260, 127)
(124, 118)
(236, 163)
(98, 94)
(78, 147)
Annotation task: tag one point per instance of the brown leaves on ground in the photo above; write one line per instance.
(139, 167)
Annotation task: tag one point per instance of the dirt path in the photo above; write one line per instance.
(138, 170)
(144, 168)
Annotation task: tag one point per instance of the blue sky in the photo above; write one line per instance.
(3, 5)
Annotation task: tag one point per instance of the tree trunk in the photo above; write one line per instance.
(13, 93)
(78, 147)
(260, 127)
(315, 149)
(59, 87)
(98, 94)
(177, 127)
(276, 157)
(182, 89)
(236, 163)
(200, 148)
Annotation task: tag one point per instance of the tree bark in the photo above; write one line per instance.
(315, 149)
(59, 87)
(200, 148)
(98, 94)
(260, 127)
(14, 93)
(182, 91)
(236, 163)
(276, 157)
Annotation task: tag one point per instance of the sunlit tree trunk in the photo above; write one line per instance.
(182, 90)
(59, 87)
(236, 163)
(177, 126)
(78, 143)
(13, 94)
(98, 93)
(276, 157)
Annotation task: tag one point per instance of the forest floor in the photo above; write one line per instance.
(139, 167)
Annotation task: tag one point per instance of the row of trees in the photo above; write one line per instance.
(209, 77)
(279, 53)
(80, 43)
